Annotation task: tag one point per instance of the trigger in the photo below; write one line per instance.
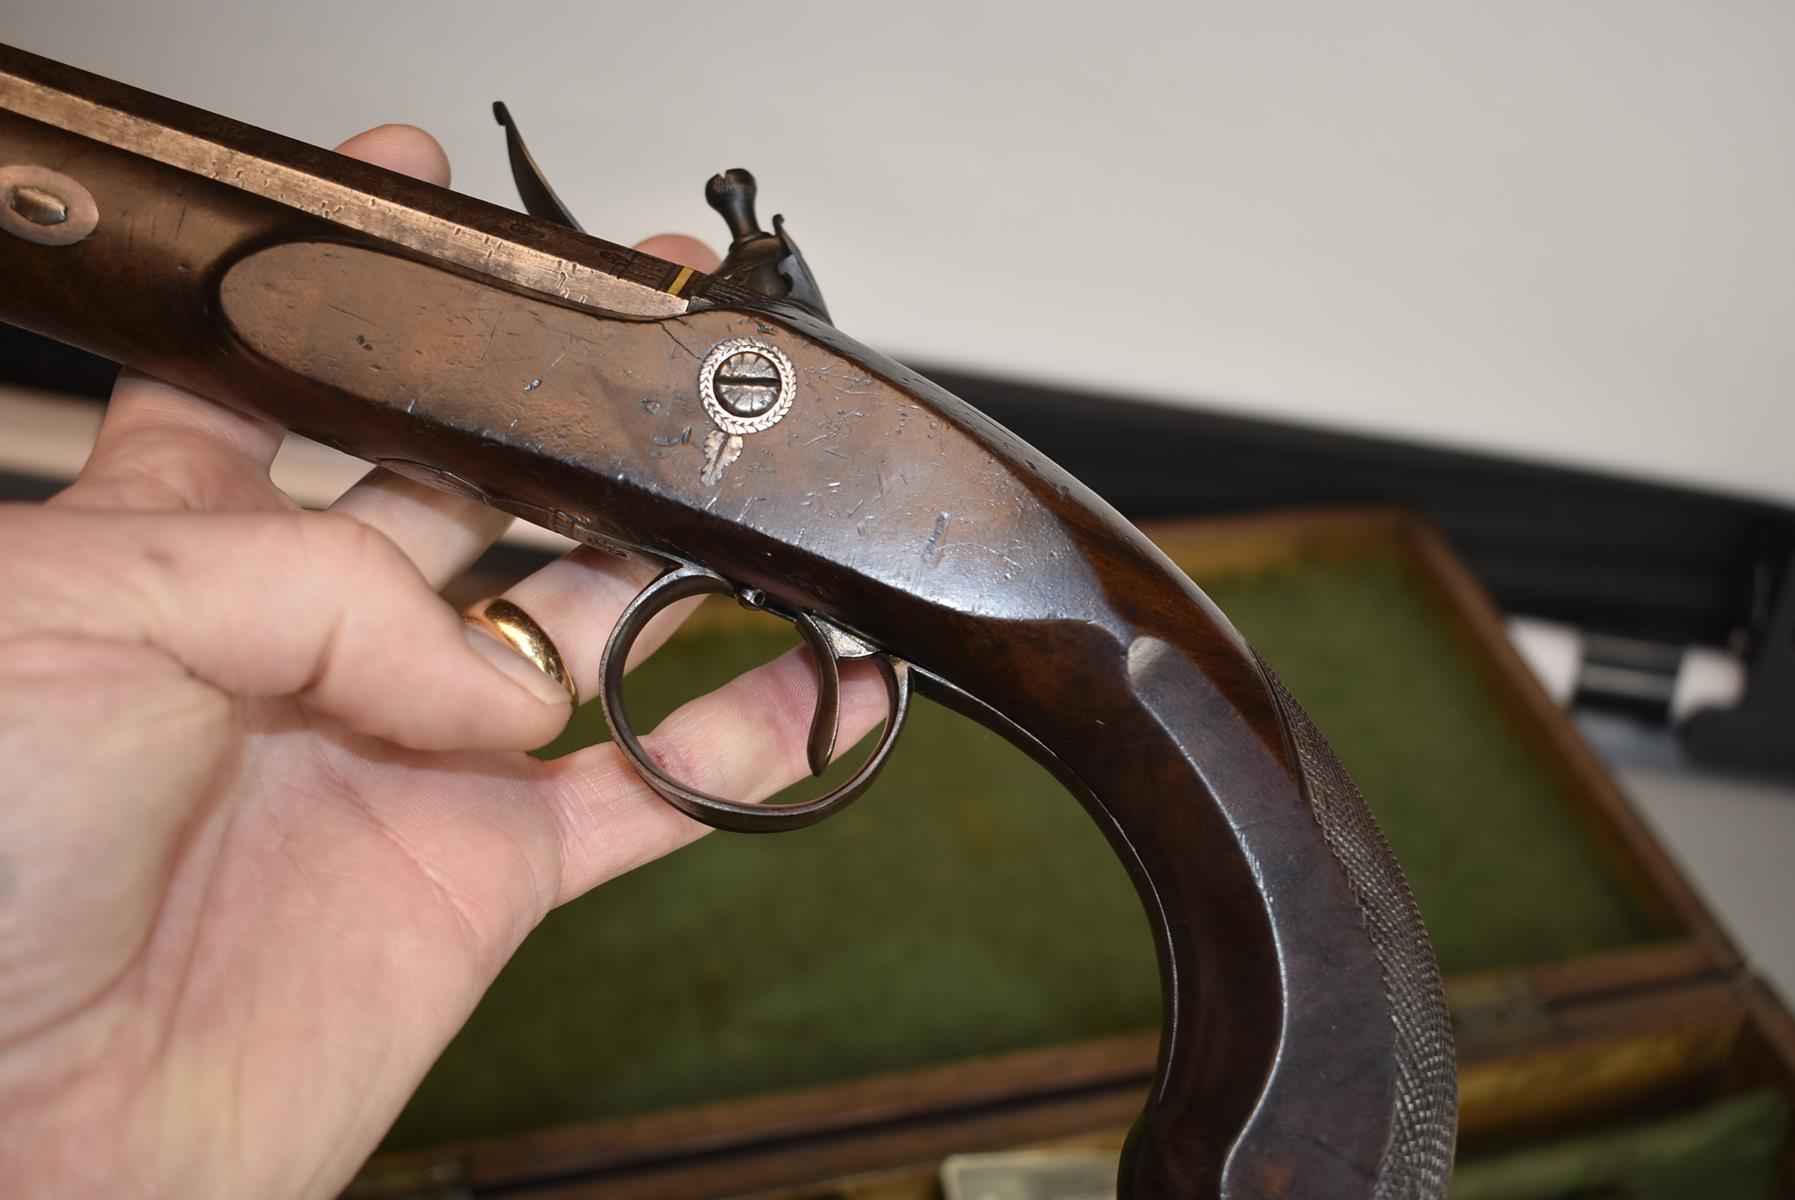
(825, 723)
(829, 643)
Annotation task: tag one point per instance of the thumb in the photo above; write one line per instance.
(310, 605)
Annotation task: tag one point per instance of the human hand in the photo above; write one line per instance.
(267, 830)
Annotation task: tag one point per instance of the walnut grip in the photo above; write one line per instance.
(1306, 1049)
(1418, 1159)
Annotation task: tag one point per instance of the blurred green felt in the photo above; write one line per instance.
(967, 906)
(1722, 1151)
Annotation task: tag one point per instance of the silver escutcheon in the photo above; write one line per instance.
(746, 385)
(45, 206)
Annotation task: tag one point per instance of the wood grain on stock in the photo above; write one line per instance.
(1305, 1050)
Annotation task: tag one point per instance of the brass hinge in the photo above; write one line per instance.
(1496, 1009)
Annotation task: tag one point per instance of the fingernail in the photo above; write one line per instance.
(501, 655)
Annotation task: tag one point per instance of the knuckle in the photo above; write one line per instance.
(136, 487)
(347, 546)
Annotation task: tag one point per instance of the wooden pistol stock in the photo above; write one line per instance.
(721, 424)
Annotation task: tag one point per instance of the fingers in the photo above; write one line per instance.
(300, 604)
(745, 741)
(442, 533)
(402, 148)
(678, 248)
(577, 600)
(163, 448)
(509, 844)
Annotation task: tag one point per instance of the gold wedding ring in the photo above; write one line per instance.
(517, 629)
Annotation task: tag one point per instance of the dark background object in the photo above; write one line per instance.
(1760, 732)
(27, 360)
(1605, 553)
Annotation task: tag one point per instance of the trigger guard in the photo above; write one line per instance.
(682, 582)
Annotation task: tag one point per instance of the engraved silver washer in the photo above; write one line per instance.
(752, 352)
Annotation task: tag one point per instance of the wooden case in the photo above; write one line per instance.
(1544, 1046)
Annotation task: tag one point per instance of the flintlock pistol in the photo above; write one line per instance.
(720, 424)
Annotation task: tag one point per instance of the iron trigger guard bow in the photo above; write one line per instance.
(828, 644)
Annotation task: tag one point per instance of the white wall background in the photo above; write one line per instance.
(1561, 230)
